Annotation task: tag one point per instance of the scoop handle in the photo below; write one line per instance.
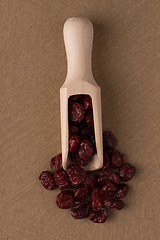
(78, 39)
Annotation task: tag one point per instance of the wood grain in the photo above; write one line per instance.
(126, 57)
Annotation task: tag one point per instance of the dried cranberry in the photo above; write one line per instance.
(106, 161)
(74, 143)
(98, 215)
(76, 112)
(73, 129)
(61, 179)
(64, 199)
(96, 198)
(117, 159)
(80, 209)
(81, 193)
(84, 129)
(87, 102)
(105, 176)
(126, 172)
(114, 203)
(122, 191)
(89, 119)
(79, 161)
(85, 149)
(46, 179)
(109, 140)
(109, 189)
(56, 162)
(75, 97)
(76, 174)
(91, 137)
(90, 181)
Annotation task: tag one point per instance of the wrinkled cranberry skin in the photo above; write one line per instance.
(84, 129)
(56, 162)
(126, 172)
(108, 176)
(61, 179)
(109, 140)
(117, 160)
(96, 200)
(76, 112)
(98, 215)
(74, 143)
(109, 189)
(122, 191)
(81, 193)
(76, 174)
(106, 162)
(73, 129)
(114, 203)
(75, 97)
(64, 199)
(85, 149)
(80, 209)
(89, 119)
(90, 181)
(87, 102)
(46, 179)
(79, 161)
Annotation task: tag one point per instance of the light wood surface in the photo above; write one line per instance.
(126, 65)
(78, 38)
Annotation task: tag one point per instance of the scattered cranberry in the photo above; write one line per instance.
(76, 112)
(73, 129)
(85, 149)
(46, 179)
(106, 161)
(76, 174)
(117, 159)
(109, 189)
(108, 176)
(81, 193)
(61, 179)
(80, 209)
(90, 181)
(114, 203)
(89, 119)
(122, 191)
(98, 215)
(126, 172)
(74, 143)
(109, 140)
(96, 200)
(64, 199)
(56, 162)
(87, 102)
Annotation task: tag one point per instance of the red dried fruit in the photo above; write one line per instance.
(91, 138)
(61, 179)
(106, 161)
(109, 189)
(109, 140)
(46, 179)
(73, 129)
(74, 143)
(90, 181)
(75, 97)
(117, 159)
(96, 200)
(79, 161)
(80, 209)
(64, 199)
(81, 193)
(56, 162)
(76, 174)
(98, 215)
(126, 172)
(89, 119)
(85, 149)
(122, 191)
(108, 176)
(114, 203)
(76, 112)
(87, 102)
(84, 129)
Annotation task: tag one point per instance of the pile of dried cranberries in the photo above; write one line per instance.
(88, 193)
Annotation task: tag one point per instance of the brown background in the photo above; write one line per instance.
(126, 64)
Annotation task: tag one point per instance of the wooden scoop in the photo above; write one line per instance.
(78, 38)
